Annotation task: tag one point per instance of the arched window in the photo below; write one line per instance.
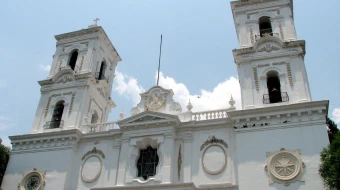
(274, 87)
(101, 73)
(73, 59)
(94, 118)
(265, 26)
(57, 115)
(147, 162)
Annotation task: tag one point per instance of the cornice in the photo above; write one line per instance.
(249, 5)
(93, 32)
(47, 141)
(182, 186)
(313, 122)
(274, 117)
(323, 104)
(292, 48)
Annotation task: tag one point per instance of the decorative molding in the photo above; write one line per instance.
(71, 104)
(81, 63)
(34, 179)
(213, 140)
(268, 48)
(94, 151)
(65, 79)
(179, 162)
(256, 78)
(206, 162)
(289, 71)
(147, 118)
(101, 91)
(284, 167)
(252, 36)
(281, 32)
(49, 101)
(248, 15)
(88, 179)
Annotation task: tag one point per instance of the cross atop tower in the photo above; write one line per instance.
(95, 21)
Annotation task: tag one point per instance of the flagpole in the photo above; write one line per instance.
(159, 60)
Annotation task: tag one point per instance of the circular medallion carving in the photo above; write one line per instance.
(284, 166)
(214, 159)
(91, 169)
(34, 180)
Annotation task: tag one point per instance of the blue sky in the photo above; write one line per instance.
(198, 37)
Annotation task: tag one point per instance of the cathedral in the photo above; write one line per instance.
(272, 143)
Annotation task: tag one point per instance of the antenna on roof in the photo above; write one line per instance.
(159, 60)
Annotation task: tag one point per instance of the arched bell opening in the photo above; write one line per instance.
(56, 120)
(94, 118)
(73, 60)
(274, 87)
(101, 73)
(265, 26)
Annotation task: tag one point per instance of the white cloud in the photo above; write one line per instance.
(128, 87)
(45, 67)
(336, 116)
(218, 98)
(6, 141)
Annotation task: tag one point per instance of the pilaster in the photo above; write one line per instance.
(187, 160)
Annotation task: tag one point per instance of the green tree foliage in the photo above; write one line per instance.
(4, 157)
(332, 129)
(330, 163)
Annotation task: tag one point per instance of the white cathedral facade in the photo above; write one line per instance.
(272, 143)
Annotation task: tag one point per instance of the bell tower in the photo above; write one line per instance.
(78, 88)
(270, 58)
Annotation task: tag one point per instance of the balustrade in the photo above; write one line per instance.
(97, 127)
(210, 115)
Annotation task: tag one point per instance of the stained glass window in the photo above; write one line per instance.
(147, 162)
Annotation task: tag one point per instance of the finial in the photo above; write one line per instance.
(122, 114)
(232, 102)
(189, 106)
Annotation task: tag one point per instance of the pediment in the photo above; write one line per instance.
(268, 44)
(150, 118)
(63, 76)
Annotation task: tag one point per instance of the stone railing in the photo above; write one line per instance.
(97, 127)
(209, 115)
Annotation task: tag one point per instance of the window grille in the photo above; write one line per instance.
(147, 162)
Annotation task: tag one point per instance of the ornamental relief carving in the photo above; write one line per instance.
(179, 163)
(284, 167)
(92, 165)
(155, 100)
(33, 180)
(268, 48)
(288, 68)
(213, 140)
(94, 151)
